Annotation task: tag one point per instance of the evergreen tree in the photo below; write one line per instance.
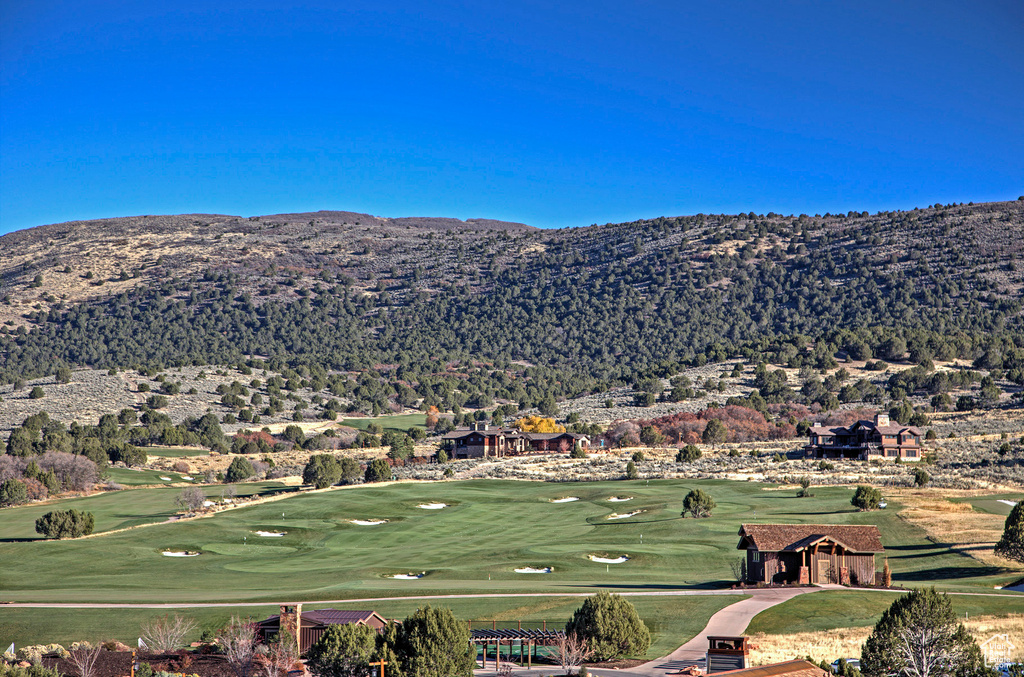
(343, 651)
(377, 471)
(1011, 543)
(918, 636)
(698, 503)
(611, 626)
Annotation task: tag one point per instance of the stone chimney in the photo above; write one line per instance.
(881, 419)
(291, 622)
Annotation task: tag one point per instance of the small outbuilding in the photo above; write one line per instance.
(810, 553)
(308, 626)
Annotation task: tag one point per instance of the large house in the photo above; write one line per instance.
(810, 553)
(308, 626)
(482, 440)
(866, 439)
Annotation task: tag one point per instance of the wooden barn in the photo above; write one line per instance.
(810, 553)
(308, 626)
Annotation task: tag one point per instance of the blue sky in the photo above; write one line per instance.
(553, 114)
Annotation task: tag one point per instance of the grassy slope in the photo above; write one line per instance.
(491, 528)
(400, 423)
(170, 452)
(672, 620)
(112, 510)
(841, 609)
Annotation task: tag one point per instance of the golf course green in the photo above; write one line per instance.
(487, 530)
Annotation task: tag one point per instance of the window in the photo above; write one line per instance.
(756, 556)
(911, 453)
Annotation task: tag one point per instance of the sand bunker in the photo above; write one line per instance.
(186, 478)
(208, 504)
(533, 570)
(1009, 503)
(609, 560)
(179, 553)
(617, 516)
(567, 499)
(165, 479)
(368, 523)
(409, 577)
(432, 506)
(620, 499)
(271, 534)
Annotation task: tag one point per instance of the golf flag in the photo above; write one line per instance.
(10, 649)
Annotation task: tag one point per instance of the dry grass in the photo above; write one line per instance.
(829, 645)
(955, 523)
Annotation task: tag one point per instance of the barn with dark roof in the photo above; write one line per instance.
(810, 553)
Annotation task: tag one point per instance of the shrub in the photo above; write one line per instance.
(611, 626)
(240, 469)
(578, 451)
(921, 477)
(698, 503)
(688, 454)
(13, 492)
(866, 498)
(65, 524)
(631, 473)
(378, 470)
(342, 651)
(36, 393)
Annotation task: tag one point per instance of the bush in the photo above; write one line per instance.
(921, 477)
(698, 503)
(688, 454)
(377, 471)
(611, 626)
(240, 469)
(13, 492)
(638, 456)
(343, 650)
(36, 393)
(631, 473)
(577, 451)
(65, 524)
(866, 498)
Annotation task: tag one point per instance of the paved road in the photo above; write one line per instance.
(205, 605)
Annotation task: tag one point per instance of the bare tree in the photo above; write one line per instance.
(167, 633)
(571, 650)
(85, 660)
(238, 639)
(191, 498)
(281, 656)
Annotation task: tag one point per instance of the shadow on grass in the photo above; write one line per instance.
(707, 586)
(947, 573)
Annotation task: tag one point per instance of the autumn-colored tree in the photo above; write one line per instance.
(433, 416)
(539, 424)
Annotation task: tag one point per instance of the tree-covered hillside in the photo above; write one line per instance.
(550, 314)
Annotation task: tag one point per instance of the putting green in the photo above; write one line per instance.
(491, 528)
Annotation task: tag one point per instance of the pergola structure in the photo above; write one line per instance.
(527, 640)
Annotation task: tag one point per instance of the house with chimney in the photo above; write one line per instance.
(483, 441)
(864, 440)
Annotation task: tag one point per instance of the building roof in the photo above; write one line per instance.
(466, 432)
(797, 537)
(883, 429)
(797, 668)
(331, 617)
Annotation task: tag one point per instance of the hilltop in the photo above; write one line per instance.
(521, 314)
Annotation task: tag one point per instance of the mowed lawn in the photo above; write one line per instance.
(112, 510)
(489, 529)
(672, 620)
(851, 609)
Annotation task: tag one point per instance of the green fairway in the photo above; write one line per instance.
(672, 620)
(995, 504)
(490, 528)
(131, 477)
(401, 423)
(850, 609)
(112, 510)
(169, 452)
